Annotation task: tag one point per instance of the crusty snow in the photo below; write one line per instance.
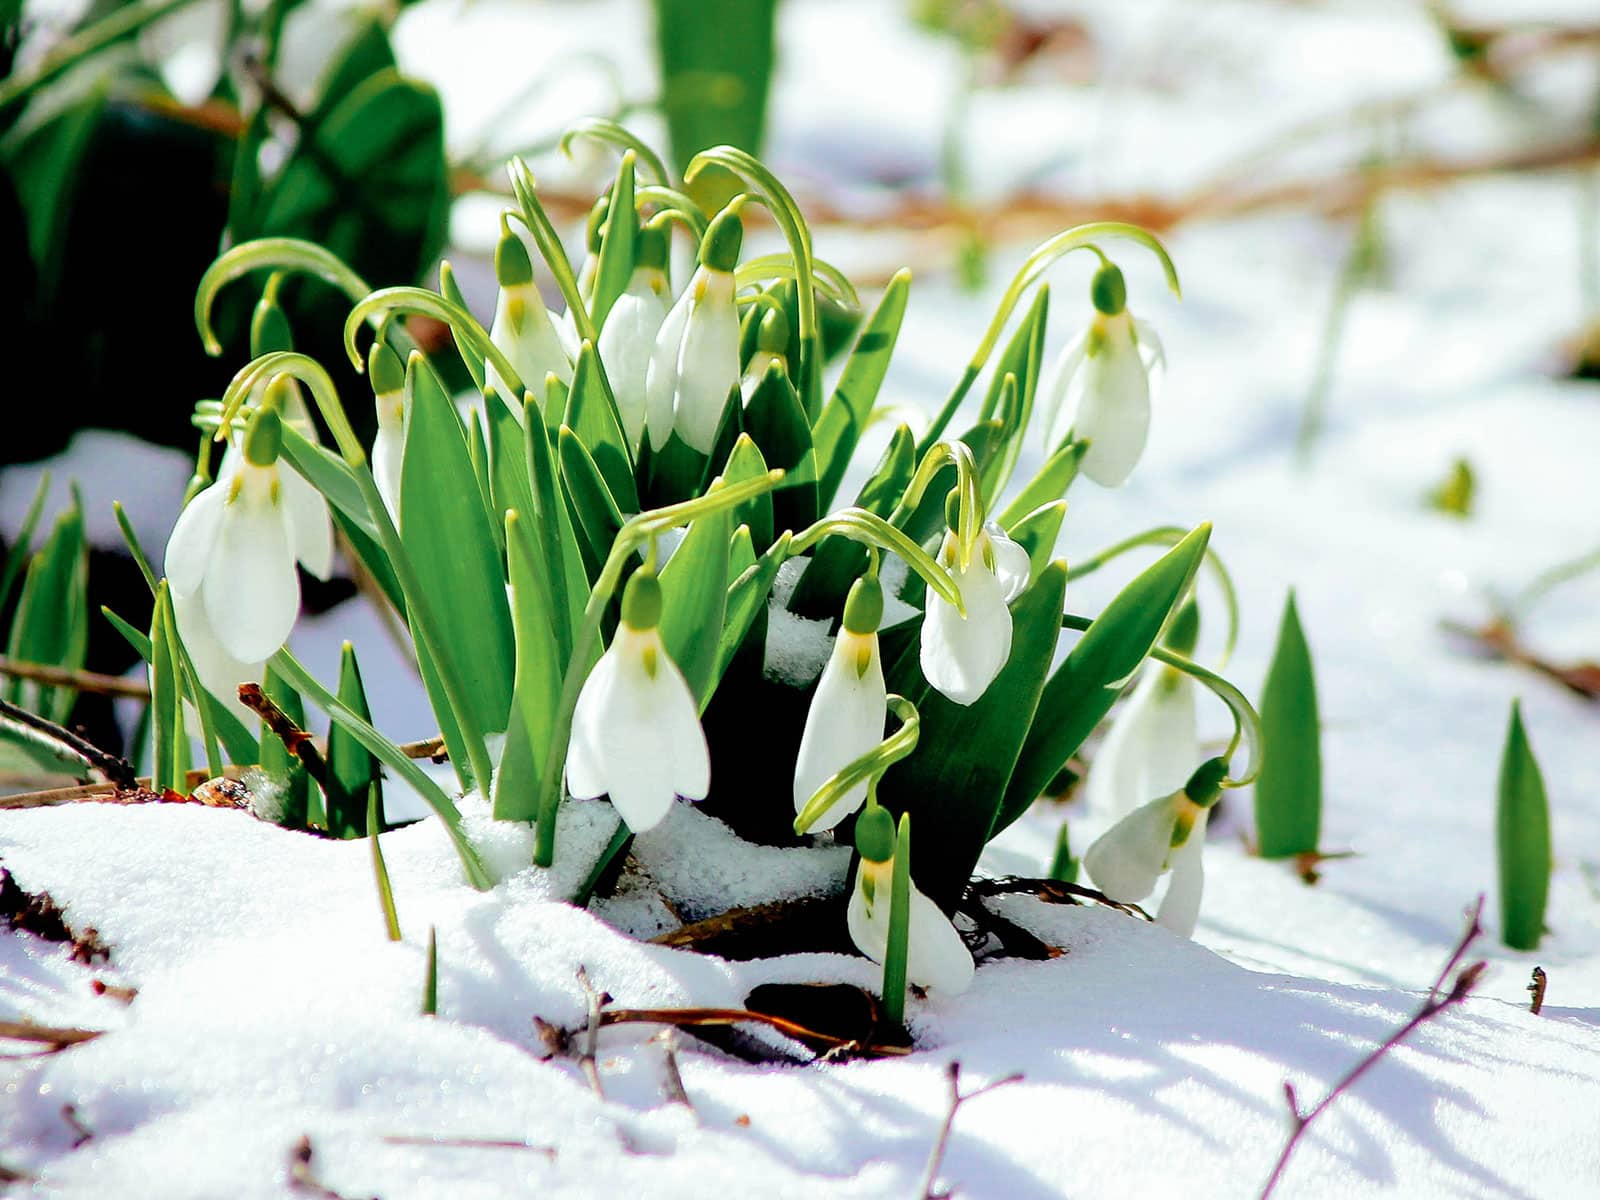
(270, 1005)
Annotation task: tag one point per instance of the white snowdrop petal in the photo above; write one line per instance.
(388, 449)
(626, 343)
(218, 671)
(1180, 907)
(1011, 565)
(1150, 347)
(1056, 414)
(193, 537)
(661, 376)
(251, 591)
(1151, 748)
(677, 722)
(1127, 859)
(961, 656)
(936, 957)
(708, 365)
(585, 763)
(310, 527)
(1115, 411)
(845, 721)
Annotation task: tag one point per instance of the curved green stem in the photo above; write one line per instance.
(604, 129)
(786, 212)
(870, 530)
(635, 532)
(1079, 237)
(934, 459)
(1171, 535)
(1549, 579)
(1246, 721)
(380, 305)
(66, 54)
(669, 201)
(869, 766)
(769, 266)
(551, 250)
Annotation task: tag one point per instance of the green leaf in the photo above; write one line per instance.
(283, 768)
(1051, 483)
(569, 584)
(1063, 866)
(470, 358)
(1083, 688)
(365, 54)
(745, 462)
(352, 770)
(598, 514)
(1289, 789)
(22, 546)
(715, 58)
(1522, 830)
(838, 562)
(166, 697)
(747, 599)
(430, 983)
(380, 870)
(1037, 532)
(51, 626)
(134, 637)
(898, 945)
(694, 596)
(29, 751)
(621, 231)
(844, 417)
(775, 422)
(1022, 360)
(445, 531)
(538, 676)
(957, 779)
(591, 414)
(45, 163)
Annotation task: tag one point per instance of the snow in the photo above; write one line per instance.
(270, 1006)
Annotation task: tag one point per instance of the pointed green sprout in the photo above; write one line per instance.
(1063, 866)
(898, 949)
(380, 871)
(1289, 791)
(430, 985)
(1522, 834)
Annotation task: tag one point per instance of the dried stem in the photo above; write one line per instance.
(56, 1037)
(447, 1143)
(81, 1132)
(118, 770)
(587, 1061)
(303, 1180)
(676, 1093)
(1536, 990)
(930, 1175)
(295, 740)
(80, 681)
(1460, 988)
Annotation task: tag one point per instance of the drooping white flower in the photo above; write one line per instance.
(388, 379)
(694, 365)
(960, 656)
(848, 710)
(628, 338)
(523, 328)
(936, 957)
(636, 732)
(1100, 389)
(1180, 907)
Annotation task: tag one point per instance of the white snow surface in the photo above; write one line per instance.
(270, 1005)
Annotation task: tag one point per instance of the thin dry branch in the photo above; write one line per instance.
(588, 1063)
(930, 1174)
(56, 1037)
(80, 681)
(295, 740)
(117, 770)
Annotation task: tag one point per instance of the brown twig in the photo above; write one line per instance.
(303, 1180)
(1051, 891)
(427, 748)
(588, 1063)
(126, 995)
(676, 1092)
(1536, 990)
(81, 1132)
(79, 681)
(117, 770)
(1466, 979)
(1498, 640)
(693, 1018)
(930, 1175)
(295, 740)
(444, 1143)
(56, 1037)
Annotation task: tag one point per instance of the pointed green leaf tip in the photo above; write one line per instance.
(1289, 789)
(1522, 829)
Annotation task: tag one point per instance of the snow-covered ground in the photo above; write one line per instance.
(271, 1007)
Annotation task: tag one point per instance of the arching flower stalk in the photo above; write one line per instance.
(636, 733)
(628, 338)
(849, 708)
(1100, 390)
(694, 366)
(1166, 834)
(523, 328)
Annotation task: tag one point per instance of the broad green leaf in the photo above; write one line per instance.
(569, 584)
(775, 422)
(166, 697)
(364, 55)
(538, 675)
(51, 625)
(715, 58)
(747, 600)
(352, 770)
(1036, 533)
(956, 780)
(741, 553)
(285, 769)
(844, 417)
(1051, 483)
(1522, 831)
(478, 453)
(444, 528)
(470, 358)
(1083, 688)
(1063, 866)
(755, 514)
(591, 414)
(597, 512)
(897, 948)
(1289, 789)
(694, 596)
(621, 231)
(838, 562)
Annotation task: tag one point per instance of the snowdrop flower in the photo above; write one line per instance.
(636, 732)
(962, 655)
(628, 337)
(772, 344)
(388, 380)
(936, 957)
(849, 708)
(1153, 745)
(1101, 386)
(695, 363)
(230, 559)
(1169, 833)
(523, 329)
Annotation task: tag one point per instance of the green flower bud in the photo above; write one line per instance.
(772, 337)
(641, 601)
(1108, 291)
(863, 610)
(1184, 631)
(385, 370)
(512, 266)
(263, 436)
(875, 833)
(719, 249)
(1205, 785)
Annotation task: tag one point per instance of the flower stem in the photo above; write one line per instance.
(873, 531)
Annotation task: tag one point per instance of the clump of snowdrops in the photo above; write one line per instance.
(591, 557)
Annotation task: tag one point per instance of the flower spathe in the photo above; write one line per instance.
(936, 957)
(1100, 388)
(636, 732)
(960, 656)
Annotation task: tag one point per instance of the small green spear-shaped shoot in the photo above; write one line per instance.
(1289, 790)
(1522, 830)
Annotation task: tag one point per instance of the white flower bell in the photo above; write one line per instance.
(1101, 386)
(936, 957)
(523, 329)
(960, 656)
(388, 380)
(628, 337)
(849, 708)
(230, 559)
(1166, 834)
(694, 366)
(636, 732)
(1153, 745)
